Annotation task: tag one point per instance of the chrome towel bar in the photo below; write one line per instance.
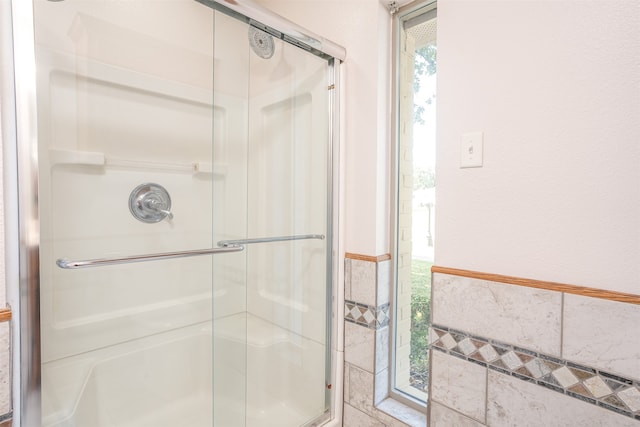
(66, 264)
(224, 247)
(231, 243)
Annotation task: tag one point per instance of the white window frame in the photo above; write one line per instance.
(403, 14)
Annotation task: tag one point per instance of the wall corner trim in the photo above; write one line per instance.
(369, 258)
(540, 284)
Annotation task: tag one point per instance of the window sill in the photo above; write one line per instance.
(402, 412)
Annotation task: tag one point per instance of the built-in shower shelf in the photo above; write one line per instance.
(98, 159)
(68, 157)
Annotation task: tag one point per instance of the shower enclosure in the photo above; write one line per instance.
(182, 267)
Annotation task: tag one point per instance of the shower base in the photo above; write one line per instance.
(169, 380)
(194, 411)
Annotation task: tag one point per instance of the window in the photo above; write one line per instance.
(415, 198)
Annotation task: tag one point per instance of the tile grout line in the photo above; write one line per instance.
(486, 395)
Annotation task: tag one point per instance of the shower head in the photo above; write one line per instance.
(261, 43)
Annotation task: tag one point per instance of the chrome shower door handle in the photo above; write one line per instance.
(230, 243)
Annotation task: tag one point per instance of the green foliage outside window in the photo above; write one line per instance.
(420, 315)
(424, 66)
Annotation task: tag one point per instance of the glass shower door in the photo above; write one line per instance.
(167, 132)
(287, 282)
(128, 171)
(280, 374)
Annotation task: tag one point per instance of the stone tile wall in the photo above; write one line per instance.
(507, 355)
(5, 371)
(366, 375)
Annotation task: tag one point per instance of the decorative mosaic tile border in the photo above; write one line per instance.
(366, 315)
(609, 391)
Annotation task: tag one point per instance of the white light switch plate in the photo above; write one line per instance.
(471, 150)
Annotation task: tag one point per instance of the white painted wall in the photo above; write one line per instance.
(362, 27)
(555, 87)
(3, 294)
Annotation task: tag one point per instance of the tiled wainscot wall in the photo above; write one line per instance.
(509, 355)
(366, 374)
(5, 367)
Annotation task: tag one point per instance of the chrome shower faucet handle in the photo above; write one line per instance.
(150, 203)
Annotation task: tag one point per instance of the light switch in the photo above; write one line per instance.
(471, 150)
